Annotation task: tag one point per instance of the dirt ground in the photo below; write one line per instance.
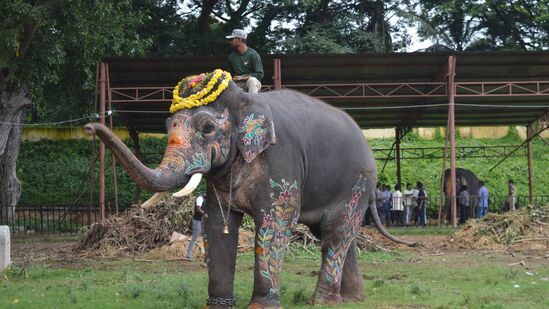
(59, 254)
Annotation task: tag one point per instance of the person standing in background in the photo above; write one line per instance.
(512, 196)
(197, 223)
(398, 207)
(408, 203)
(421, 204)
(483, 198)
(464, 200)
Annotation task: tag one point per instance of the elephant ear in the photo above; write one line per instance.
(255, 129)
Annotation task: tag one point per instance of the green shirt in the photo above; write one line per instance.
(247, 64)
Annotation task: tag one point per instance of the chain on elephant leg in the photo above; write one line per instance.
(336, 245)
(272, 239)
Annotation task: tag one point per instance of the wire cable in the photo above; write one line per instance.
(109, 113)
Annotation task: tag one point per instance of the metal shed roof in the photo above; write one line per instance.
(377, 90)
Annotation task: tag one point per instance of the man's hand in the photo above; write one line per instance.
(240, 78)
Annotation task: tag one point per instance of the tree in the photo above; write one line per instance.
(327, 26)
(48, 53)
(451, 24)
(516, 24)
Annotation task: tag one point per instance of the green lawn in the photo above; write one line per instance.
(392, 280)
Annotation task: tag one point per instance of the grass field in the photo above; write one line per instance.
(425, 278)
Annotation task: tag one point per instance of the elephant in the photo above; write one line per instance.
(463, 177)
(281, 157)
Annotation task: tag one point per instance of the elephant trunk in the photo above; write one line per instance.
(380, 226)
(154, 180)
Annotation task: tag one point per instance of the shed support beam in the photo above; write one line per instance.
(103, 93)
(277, 77)
(452, 129)
(398, 132)
(114, 174)
(529, 138)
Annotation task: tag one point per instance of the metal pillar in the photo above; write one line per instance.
(398, 132)
(114, 175)
(103, 85)
(93, 156)
(277, 77)
(452, 132)
(529, 137)
(442, 196)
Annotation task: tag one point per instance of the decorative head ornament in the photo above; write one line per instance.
(199, 90)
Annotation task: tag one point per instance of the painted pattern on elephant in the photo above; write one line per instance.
(199, 161)
(352, 217)
(255, 129)
(274, 234)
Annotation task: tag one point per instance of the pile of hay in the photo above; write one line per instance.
(302, 236)
(177, 248)
(526, 229)
(152, 230)
(138, 230)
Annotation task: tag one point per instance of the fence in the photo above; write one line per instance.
(496, 203)
(67, 220)
(50, 220)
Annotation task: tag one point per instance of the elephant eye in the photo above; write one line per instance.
(208, 128)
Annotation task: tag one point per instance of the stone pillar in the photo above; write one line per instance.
(4, 247)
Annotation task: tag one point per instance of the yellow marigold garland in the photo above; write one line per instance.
(200, 98)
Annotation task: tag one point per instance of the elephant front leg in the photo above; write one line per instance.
(221, 252)
(272, 239)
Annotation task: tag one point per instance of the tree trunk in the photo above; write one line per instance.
(12, 110)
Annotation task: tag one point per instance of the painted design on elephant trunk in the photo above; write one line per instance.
(199, 162)
(274, 235)
(352, 218)
(255, 129)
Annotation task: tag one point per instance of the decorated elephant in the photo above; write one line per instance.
(281, 157)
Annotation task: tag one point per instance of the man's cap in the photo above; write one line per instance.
(238, 33)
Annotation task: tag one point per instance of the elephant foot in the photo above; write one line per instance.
(352, 297)
(328, 299)
(256, 305)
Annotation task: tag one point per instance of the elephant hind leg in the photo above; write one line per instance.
(352, 286)
(336, 241)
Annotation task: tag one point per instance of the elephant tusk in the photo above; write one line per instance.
(153, 200)
(191, 185)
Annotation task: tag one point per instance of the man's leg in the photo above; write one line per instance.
(253, 85)
(197, 228)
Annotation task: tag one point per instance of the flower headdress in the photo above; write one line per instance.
(199, 90)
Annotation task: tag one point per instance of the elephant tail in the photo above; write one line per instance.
(381, 228)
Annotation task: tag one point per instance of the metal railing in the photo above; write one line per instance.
(496, 204)
(68, 220)
(50, 220)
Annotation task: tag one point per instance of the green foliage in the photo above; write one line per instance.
(56, 172)
(482, 25)
(52, 47)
